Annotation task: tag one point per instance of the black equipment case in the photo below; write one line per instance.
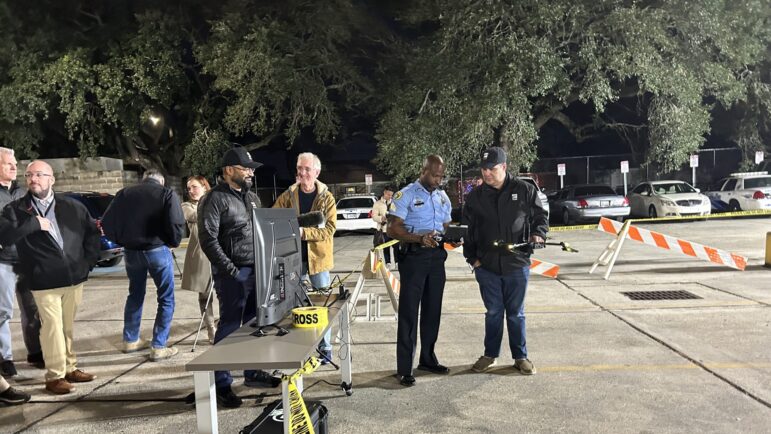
(271, 421)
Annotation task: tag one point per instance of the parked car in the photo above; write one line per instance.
(541, 194)
(589, 202)
(667, 198)
(742, 191)
(97, 203)
(354, 213)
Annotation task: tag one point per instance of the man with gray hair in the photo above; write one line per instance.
(9, 191)
(310, 194)
(147, 220)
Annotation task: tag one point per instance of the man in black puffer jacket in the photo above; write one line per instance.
(58, 244)
(225, 233)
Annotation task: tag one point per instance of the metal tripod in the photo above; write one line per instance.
(205, 311)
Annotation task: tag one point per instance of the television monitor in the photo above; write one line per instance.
(277, 263)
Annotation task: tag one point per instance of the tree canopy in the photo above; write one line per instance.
(170, 84)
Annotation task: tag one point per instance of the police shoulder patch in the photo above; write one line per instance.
(398, 195)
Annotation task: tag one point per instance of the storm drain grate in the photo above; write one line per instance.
(661, 295)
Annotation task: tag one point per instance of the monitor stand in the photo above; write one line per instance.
(260, 332)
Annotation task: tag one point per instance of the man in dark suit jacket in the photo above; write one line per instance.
(147, 220)
(58, 244)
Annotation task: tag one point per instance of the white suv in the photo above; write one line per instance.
(354, 213)
(541, 195)
(744, 191)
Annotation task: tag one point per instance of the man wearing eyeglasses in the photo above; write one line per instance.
(58, 244)
(147, 220)
(225, 234)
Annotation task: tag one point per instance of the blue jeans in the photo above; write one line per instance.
(238, 306)
(320, 280)
(504, 294)
(7, 289)
(159, 263)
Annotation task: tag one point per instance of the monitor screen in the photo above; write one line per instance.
(278, 264)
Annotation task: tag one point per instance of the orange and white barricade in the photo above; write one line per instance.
(626, 230)
(373, 267)
(537, 266)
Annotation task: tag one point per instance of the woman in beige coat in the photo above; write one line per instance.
(197, 273)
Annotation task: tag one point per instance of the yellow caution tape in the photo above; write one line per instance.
(386, 244)
(310, 317)
(758, 212)
(299, 419)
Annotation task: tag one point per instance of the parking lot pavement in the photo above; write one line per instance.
(605, 363)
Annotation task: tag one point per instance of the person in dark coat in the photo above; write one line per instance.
(10, 190)
(58, 245)
(502, 211)
(225, 234)
(147, 220)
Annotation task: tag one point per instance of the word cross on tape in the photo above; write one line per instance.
(666, 242)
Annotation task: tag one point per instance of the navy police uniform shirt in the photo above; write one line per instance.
(421, 210)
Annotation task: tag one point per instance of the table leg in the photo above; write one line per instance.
(285, 406)
(205, 402)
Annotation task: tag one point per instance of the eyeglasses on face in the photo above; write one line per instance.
(245, 169)
(29, 175)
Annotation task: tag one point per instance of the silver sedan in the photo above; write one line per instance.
(589, 202)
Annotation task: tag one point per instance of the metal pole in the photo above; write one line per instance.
(587, 169)
(625, 194)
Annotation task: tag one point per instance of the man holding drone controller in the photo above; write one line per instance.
(225, 234)
(501, 212)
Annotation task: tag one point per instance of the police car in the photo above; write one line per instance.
(354, 213)
(744, 191)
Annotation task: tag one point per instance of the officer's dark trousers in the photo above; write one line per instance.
(422, 278)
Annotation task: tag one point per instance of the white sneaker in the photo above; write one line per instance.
(139, 344)
(162, 353)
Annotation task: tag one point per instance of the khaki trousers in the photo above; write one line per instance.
(57, 308)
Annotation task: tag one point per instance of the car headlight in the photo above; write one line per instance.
(667, 202)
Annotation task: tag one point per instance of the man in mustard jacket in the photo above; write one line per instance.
(306, 195)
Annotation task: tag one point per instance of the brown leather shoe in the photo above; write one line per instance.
(60, 386)
(78, 376)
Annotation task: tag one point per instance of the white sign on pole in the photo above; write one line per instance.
(561, 173)
(758, 157)
(625, 170)
(368, 179)
(695, 160)
(625, 166)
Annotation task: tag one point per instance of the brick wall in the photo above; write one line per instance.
(103, 175)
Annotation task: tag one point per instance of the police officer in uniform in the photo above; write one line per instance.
(502, 211)
(419, 214)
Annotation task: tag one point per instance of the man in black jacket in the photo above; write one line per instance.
(10, 190)
(30, 322)
(58, 244)
(147, 220)
(225, 233)
(502, 211)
